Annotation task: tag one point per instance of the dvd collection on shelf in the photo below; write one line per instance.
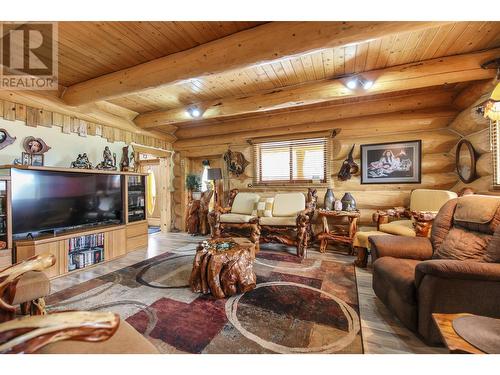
(85, 250)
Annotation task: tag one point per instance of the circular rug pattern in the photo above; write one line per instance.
(270, 312)
(171, 272)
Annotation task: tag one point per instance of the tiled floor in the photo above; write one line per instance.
(381, 332)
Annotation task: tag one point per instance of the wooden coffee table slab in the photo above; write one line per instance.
(223, 270)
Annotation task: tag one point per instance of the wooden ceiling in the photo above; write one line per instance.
(240, 73)
(92, 49)
(402, 48)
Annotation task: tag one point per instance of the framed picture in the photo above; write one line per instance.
(37, 160)
(391, 163)
(26, 158)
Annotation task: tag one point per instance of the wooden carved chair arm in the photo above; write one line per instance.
(29, 334)
(386, 216)
(422, 222)
(10, 275)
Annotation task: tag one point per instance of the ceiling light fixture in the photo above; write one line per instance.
(194, 112)
(354, 82)
(367, 84)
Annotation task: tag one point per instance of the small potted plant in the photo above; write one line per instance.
(193, 185)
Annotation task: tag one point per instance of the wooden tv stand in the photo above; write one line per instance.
(117, 240)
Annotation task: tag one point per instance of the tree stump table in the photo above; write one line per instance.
(223, 267)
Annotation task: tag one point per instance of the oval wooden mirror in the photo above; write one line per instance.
(465, 161)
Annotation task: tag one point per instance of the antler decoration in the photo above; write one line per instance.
(349, 167)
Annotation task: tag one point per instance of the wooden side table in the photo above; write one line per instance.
(343, 235)
(454, 343)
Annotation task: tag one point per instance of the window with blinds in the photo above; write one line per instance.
(294, 161)
(495, 147)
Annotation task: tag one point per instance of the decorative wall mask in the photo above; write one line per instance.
(236, 162)
(348, 168)
(81, 162)
(34, 145)
(109, 162)
(5, 139)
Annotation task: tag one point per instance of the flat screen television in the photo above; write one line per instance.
(54, 201)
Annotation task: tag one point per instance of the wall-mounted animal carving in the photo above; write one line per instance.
(236, 162)
(348, 168)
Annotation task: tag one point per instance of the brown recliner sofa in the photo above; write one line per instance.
(456, 270)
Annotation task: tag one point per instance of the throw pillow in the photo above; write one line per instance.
(263, 207)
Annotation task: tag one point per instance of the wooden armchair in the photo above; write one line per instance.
(417, 219)
(72, 332)
(236, 217)
(291, 223)
(25, 284)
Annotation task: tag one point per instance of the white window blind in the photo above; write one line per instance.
(294, 161)
(495, 148)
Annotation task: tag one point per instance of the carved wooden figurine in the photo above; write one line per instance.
(206, 196)
(193, 216)
(109, 162)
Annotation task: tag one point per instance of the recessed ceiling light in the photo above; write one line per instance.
(194, 112)
(367, 84)
(352, 83)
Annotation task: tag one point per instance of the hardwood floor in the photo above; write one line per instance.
(381, 332)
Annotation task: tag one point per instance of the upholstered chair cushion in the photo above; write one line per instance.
(264, 207)
(236, 218)
(31, 285)
(288, 204)
(278, 221)
(429, 200)
(399, 227)
(244, 203)
(475, 220)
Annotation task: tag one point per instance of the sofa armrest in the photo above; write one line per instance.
(29, 334)
(457, 269)
(419, 248)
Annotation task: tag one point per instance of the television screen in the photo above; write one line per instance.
(50, 200)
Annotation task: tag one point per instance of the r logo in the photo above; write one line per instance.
(29, 55)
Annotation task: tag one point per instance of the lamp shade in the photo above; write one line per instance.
(214, 174)
(492, 107)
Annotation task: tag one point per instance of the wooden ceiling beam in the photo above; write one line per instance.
(259, 45)
(366, 107)
(439, 71)
(91, 112)
(387, 123)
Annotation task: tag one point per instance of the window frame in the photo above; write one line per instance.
(495, 153)
(257, 155)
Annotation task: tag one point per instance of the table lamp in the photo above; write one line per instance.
(215, 174)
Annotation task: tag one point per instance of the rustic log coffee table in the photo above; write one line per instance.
(223, 267)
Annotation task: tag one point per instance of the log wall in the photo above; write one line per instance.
(438, 165)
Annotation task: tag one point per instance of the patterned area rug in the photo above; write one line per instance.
(307, 306)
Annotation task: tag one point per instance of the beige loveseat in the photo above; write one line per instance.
(401, 221)
(284, 218)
